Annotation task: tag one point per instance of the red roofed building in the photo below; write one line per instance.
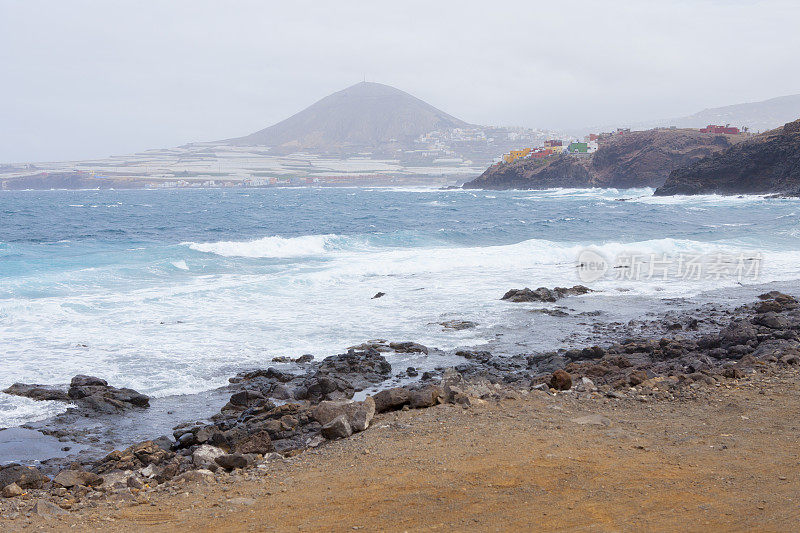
(727, 129)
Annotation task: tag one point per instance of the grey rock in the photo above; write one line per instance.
(247, 397)
(426, 397)
(87, 381)
(771, 320)
(205, 456)
(543, 294)
(592, 420)
(11, 491)
(408, 347)
(259, 442)
(73, 478)
(38, 392)
(200, 475)
(585, 385)
(338, 428)
(358, 414)
(96, 394)
(391, 399)
(458, 325)
(116, 480)
(232, 461)
(134, 482)
(163, 442)
(47, 509)
(149, 471)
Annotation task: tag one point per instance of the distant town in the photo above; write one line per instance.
(439, 157)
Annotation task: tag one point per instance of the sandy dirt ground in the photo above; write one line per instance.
(729, 460)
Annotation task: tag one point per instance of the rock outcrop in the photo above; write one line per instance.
(336, 377)
(766, 164)
(86, 392)
(636, 159)
(543, 294)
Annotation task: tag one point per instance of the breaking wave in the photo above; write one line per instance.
(279, 247)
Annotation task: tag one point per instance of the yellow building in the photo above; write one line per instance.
(516, 154)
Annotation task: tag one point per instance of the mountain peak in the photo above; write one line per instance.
(371, 88)
(364, 116)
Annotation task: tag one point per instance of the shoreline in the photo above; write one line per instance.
(570, 323)
(567, 324)
(748, 344)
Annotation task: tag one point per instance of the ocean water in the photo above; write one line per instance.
(173, 291)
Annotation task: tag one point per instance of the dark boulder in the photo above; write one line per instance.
(391, 399)
(232, 461)
(38, 392)
(408, 347)
(771, 320)
(560, 380)
(87, 392)
(247, 397)
(134, 457)
(72, 478)
(26, 477)
(543, 294)
(738, 332)
(458, 325)
(426, 397)
(97, 395)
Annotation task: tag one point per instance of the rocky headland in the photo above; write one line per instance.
(635, 159)
(766, 164)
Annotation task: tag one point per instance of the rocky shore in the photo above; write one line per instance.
(274, 415)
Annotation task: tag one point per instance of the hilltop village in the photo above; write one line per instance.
(620, 159)
(591, 143)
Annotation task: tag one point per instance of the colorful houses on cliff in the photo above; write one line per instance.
(590, 144)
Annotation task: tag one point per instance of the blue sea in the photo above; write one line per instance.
(173, 291)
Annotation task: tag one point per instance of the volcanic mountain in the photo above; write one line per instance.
(364, 117)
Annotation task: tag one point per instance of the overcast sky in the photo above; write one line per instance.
(86, 78)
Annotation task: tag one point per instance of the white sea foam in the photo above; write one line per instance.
(163, 337)
(181, 265)
(274, 247)
(704, 199)
(16, 410)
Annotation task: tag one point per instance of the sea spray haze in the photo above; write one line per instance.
(174, 291)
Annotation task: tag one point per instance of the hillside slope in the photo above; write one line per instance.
(758, 116)
(768, 163)
(637, 159)
(363, 116)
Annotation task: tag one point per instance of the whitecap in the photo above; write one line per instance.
(277, 247)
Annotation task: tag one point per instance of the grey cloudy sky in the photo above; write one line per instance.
(85, 78)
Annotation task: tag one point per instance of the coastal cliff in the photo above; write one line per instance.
(636, 159)
(768, 163)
